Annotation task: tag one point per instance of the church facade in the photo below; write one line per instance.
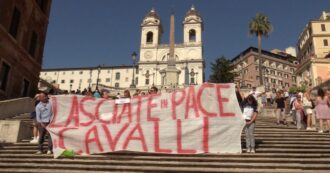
(155, 57)
(157, 64)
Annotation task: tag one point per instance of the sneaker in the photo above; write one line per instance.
(49, 152)
(309, 128)
(320, 131)
(253, 150)
(34, 141)
(248, 150)
(39, 152)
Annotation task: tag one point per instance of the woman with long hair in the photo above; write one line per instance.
(322, 108)
(308, 106)
(299, 112)
(250, 111)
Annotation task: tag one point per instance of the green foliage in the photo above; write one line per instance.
(295, 89)
(260, 25)
(222, 71)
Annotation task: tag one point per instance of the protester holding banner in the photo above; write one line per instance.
(127, 94)
(153, 90)
(250, 111)
(44, 114)
(239, 97)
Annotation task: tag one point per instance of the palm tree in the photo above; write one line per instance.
(261, 27)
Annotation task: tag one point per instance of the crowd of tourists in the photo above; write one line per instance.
(304, 108)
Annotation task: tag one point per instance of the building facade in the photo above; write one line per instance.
(152, 64)
(278, 69)
(23, 27)
(314, 52)
(116, 77)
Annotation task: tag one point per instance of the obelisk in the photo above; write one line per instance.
(171, 70)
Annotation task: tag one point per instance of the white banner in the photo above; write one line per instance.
(197, 119)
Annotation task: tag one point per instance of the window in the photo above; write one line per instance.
(25, 88)
(62, 81)
(117, 76)
(107, 80)
(71, 81)
(55, 73)
(99, 80)
(147, 81)
(273, 80)
(4, 73)
(72, 72)
(325, 42)
(192, 35)
(286, 84)
(294, 79)
(280, 82)
(286, 75)
(15, 22)
(89, 80)
(291, 69)
(126, 79)
(108, 71)
(136, 80)
(257, 68)
(257, 77)
(150, 36)
(80, 80)
(33, 44)
(192, 80)
(323, 27)
(64, 72)
(45, 74)
(279, 74)
(117, 85)
(81, 72)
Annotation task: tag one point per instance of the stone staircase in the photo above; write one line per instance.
(279, 149)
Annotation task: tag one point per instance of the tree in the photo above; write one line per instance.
(222, 71)
(261, 27)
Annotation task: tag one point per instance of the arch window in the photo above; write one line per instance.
(150, 37)
(192, 35)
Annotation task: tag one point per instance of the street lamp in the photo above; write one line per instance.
(98, 75)
(134, 59)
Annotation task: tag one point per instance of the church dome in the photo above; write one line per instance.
(151, 18)
(192, 14)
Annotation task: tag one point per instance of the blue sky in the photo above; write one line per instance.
(88, 33)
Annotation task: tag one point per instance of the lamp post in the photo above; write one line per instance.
(134, 59)
(98, 75)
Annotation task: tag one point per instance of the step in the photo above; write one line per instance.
(163, 166)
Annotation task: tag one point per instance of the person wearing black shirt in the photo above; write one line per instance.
(280, 108)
